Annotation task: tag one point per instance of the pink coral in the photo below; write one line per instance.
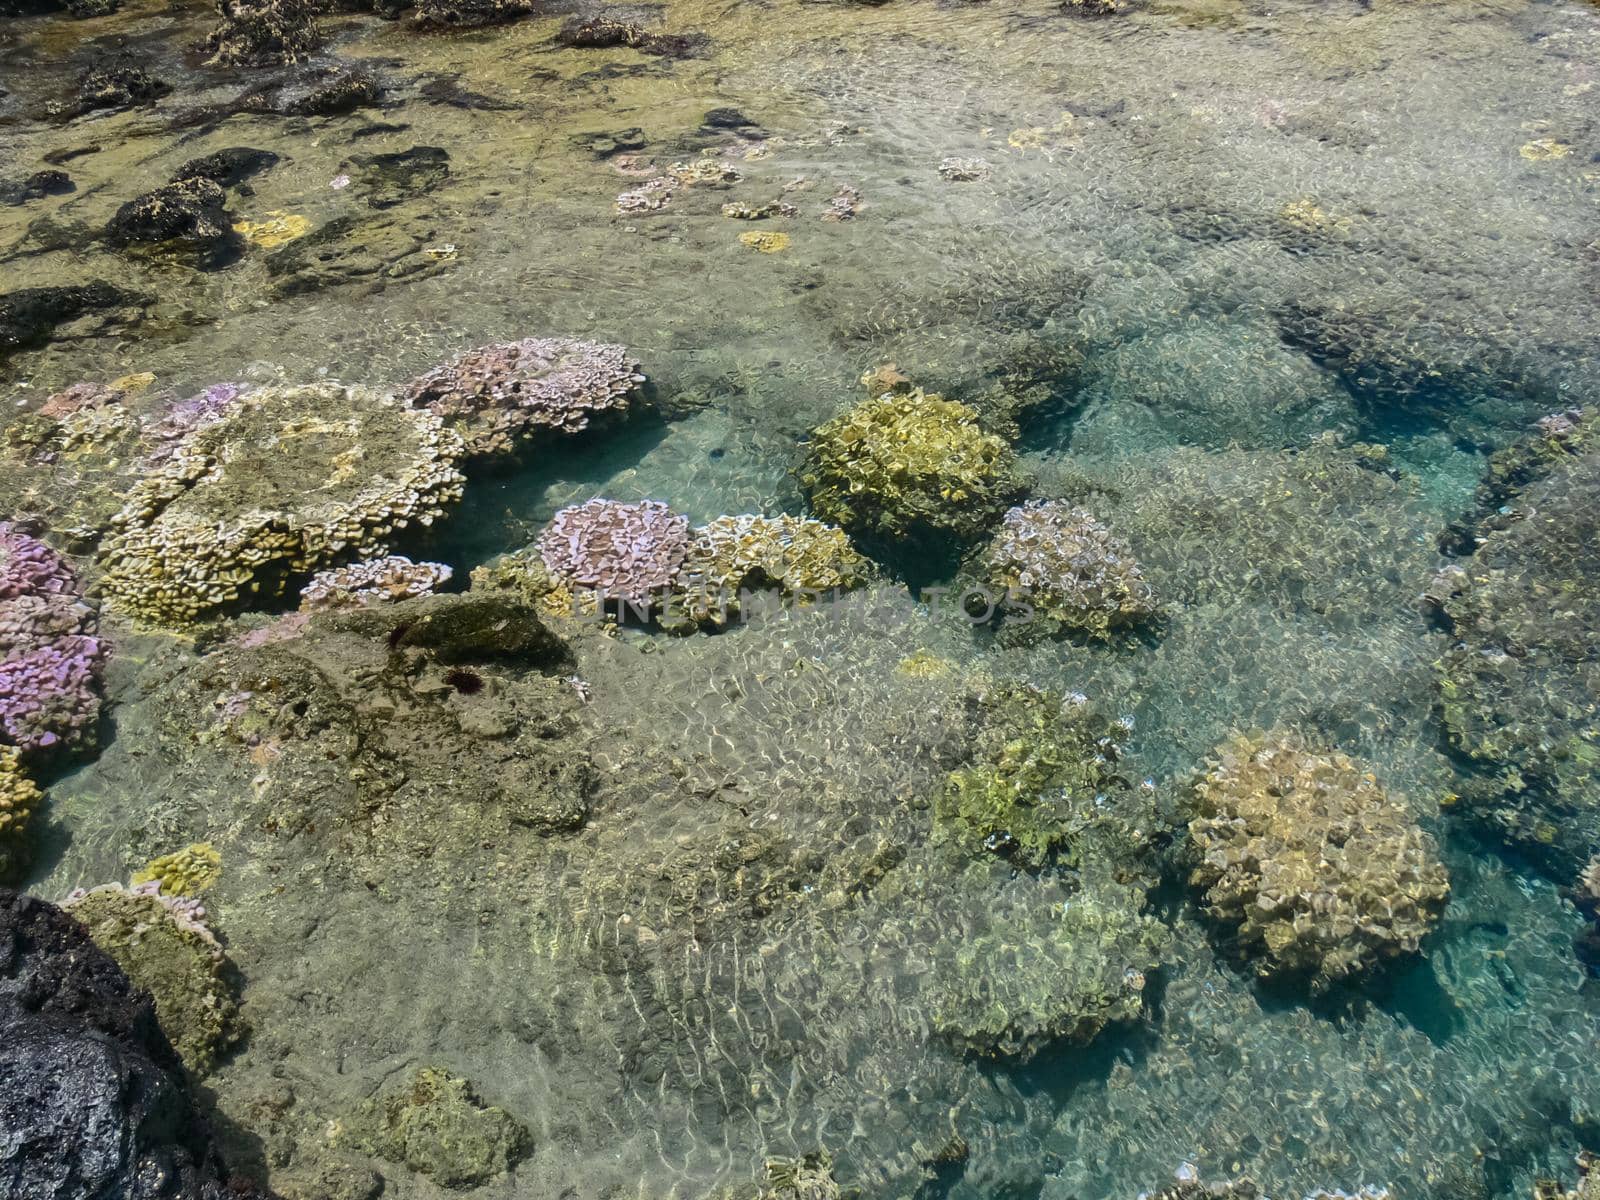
(626, 551)
(50, 659)
(493, 395)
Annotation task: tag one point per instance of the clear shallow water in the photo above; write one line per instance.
(1209, 234)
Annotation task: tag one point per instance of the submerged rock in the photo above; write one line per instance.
(435, 1124)
(30, 316)
(468, 14)
(602, 33)
(228, 167)
(391, 179)
(191, 211)
(93, 1101)
(116, 82)
(366, 256)
(37, 186)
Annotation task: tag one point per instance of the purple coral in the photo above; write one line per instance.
(167, 433)
(392, 578)
(50, 659)
(626, 551)
(492, 395)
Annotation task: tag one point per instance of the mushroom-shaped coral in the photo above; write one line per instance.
(1073, 571)
(282, 480)
(393, 577)
(793, 556)
(496, 394)
(50, 659)
(163, 945)
(622, 551)
(19, 798)
(1318, 870)
(909, 466)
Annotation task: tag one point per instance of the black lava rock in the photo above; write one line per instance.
(93, 1101)
(29, 316)
(228, 167)
(37, 186)
(467, 14)
(263, 33)
(603, 33)
(188, 210)
(118, 82)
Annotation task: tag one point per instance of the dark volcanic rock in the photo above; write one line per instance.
(602, 33)
(37, 186)
(262, 33)
(93, 1102)
(347, 251)
(228, 167)
(29, 316)
(116, 83)
(190, 210)
(467, 14)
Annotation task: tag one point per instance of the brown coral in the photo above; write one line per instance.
(1308, 858)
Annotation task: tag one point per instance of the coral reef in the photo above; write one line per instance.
(911, 467)
(164, 946)
(808, 1177)
(282, 480)
(792, 556)
(19, 798)
(95, 1103)
(1316, 870)
(1518, 678)
(1069, 569)
(393, 577)
(1187, 1186)
(262, 33)
(435, 1124)
(496, 395)
(622, 551)
(50, 656)
(186, 872)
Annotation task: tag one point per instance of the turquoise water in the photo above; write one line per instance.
(1264, 287)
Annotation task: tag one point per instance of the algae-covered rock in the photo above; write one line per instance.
(190, 210)
(1315, 868)
(1188, 1187)
(1043, 777)
(1518, 681)
(909, 467)
(1588, 1183)
(454, 629)
(1053, 567)
(282, 480)
(435, 1124)
(19, 799)
(165, 947)
(732, 557)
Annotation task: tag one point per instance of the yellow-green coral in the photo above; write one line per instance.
(19, 799)
(435, 1124)
(898, 466)
(163, 946)
(792, 556)
(284, 480)
(186, 872)
(1305, 855)
(1044, 772)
